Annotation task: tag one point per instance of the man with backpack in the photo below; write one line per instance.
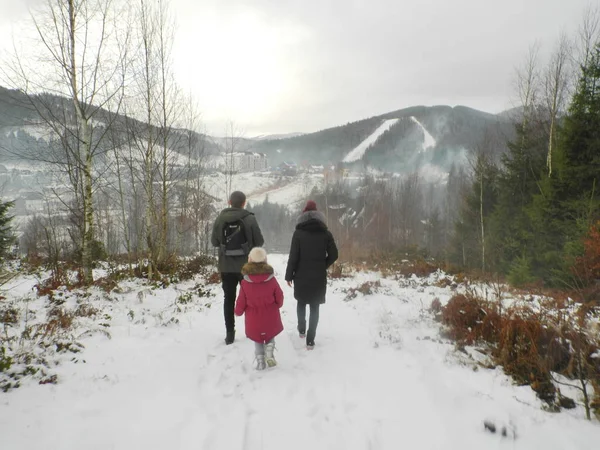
(235, 233)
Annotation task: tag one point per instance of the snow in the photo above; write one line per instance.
(380, 377)
(292, 194)
(248, 182)
(42, 132)
(428, 141)
(433, 174)
(359, 151)
(289, 191)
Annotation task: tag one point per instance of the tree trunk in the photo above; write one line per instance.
(482, 225)
(85, 130)
(88, 208)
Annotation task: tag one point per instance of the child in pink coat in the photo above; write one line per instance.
(260, 298)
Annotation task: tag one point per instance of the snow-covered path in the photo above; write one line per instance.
(379, 378)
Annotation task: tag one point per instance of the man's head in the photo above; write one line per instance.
(237, 199)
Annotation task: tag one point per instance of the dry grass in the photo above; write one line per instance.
(59, 320)
(366, 288)
(529, 344)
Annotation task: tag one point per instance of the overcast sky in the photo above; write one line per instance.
(275, 66)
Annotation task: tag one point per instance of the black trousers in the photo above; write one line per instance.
(313, 320)
(229, 282)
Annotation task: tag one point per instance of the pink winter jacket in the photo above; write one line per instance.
(260, 298)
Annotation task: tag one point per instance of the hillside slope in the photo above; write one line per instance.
(453, 131)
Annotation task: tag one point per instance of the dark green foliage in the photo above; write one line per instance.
(98, 252)
(480, 199)
(5, 361)
(6, 235)
(539, 218)
(276, 223)
(512, 226)
(519, 273)
(569, 202)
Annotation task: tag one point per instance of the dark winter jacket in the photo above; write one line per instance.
(260, 299)
(234, 264)
(313, 251)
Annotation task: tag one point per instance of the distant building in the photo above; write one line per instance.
(288, 168)
(239, 162)
(29, 202)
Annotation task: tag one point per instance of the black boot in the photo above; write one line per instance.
(230, 337)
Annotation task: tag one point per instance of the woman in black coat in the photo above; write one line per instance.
(313, 250)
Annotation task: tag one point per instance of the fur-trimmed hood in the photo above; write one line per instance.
(312, 221)
(309, 215)
(257, 269)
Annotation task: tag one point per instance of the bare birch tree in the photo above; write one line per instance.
(194, 202)
(556, 78)
(527, 80)
(79, 56)
(157, 103)
(588, 35)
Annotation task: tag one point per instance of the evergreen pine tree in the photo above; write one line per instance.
(512, 236)
(469, 246)
(6, 233)
(570, 200)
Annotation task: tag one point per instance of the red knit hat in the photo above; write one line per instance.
(310, 206)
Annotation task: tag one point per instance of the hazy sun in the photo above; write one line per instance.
(234, 65)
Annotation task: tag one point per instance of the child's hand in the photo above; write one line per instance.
(289, 283)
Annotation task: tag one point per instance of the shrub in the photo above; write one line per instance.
(196, 266)
(520, 273)
(436, 306)
(470, 319)
(184, 298)
(58, 320)
(522, 342)
(5, 361)
(521, 350)
(337, 271)
(214, 278)
(9, 316)
(86, 310)
(367, 288)
(587, 266)
(419, 267)
(107, 284)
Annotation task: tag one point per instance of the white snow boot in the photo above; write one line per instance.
(260, 362)
(270, 358)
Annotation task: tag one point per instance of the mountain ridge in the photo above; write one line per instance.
(453, 130)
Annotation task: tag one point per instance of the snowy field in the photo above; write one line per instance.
(380, 377)
(290, 191)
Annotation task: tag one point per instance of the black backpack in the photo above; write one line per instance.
(235, 241)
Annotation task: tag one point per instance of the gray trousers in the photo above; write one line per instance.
(259, 348)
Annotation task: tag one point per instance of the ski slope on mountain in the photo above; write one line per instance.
(428, 140)
(359, 151)
(380, 377)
